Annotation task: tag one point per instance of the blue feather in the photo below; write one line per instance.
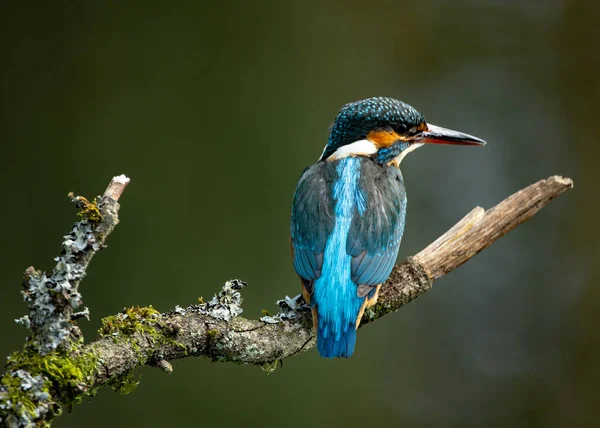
(332, 347)
(334, 292)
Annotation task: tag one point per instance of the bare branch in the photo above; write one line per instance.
(116, 187)
(460, 246)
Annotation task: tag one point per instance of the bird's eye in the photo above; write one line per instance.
(413, 131)
(417, 129)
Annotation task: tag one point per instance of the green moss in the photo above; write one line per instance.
(69, 375)
(131, 320)
(125, 383)
(125, 325)
(270, 367)
(65, 381)
(212, 333)
(89, 210)
(144, 320)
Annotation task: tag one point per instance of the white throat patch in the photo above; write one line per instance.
(360, 147)
(406, 151)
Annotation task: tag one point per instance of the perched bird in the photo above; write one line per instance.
(348, 213)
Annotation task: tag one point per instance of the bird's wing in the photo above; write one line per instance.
(312, 219)
(375, 233)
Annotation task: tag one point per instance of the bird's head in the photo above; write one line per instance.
(385, 129)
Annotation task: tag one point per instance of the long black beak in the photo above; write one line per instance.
(438, 135)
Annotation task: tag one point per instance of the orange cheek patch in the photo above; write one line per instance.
(383, 138)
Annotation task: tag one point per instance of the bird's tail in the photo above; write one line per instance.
(333, 344)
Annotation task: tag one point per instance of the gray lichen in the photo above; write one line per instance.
(46, 298)
(289, 308)
(29, 402)
(53, 299)
(225, 305)
(51, 371)
(179, 310)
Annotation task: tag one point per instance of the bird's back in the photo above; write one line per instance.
(347, 222)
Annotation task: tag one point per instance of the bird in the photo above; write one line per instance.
(349, 211)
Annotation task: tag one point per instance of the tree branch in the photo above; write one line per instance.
(215, 329)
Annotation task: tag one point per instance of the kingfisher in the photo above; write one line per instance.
(349, 210)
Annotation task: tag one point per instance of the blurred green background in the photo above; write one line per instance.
(214, 109)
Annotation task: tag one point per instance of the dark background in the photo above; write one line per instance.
(214, 109)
